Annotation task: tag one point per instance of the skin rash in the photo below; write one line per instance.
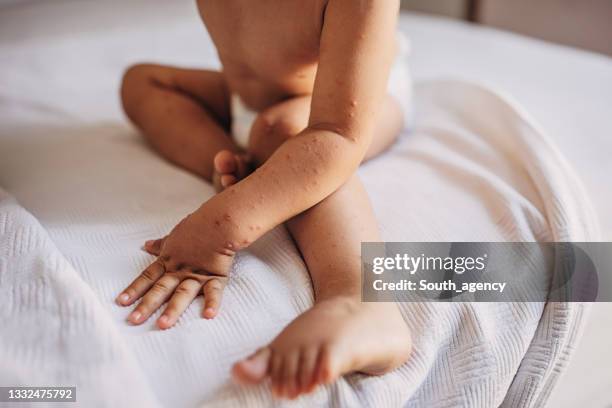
(316, 72)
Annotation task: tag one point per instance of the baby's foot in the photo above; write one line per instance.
(335, 337)
(230, 168)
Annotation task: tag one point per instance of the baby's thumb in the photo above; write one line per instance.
(154, 246)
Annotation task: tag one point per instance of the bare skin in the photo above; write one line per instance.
(320, 105)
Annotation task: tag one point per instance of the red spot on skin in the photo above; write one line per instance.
(251, 227)
(246, 242)
(217, 223)
(353, 103)
(227, 217)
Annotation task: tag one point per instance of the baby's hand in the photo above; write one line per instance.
(189, 261)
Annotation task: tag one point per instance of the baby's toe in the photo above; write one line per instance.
(276, 373)
(290, 370)
(225, 162)
(308, 364)
(253, 369)
(228, 180)
(327, 369)
(243, 165)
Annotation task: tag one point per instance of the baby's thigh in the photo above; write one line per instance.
(275, 125)
(152, 82)
(389, 125)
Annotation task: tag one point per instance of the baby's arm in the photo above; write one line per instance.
(356, 51)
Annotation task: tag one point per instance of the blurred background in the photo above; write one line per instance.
(584, 24)
(579, 23)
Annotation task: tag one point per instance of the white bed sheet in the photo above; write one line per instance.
(568, 95)
(569, 92)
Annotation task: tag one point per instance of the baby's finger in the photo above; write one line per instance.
(154, 298)
(154, 246)
(213, 290)
(141, 284)
(182, 298)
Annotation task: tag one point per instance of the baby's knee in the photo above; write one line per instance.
(269, 125)
(268, 132)
(135, 75)
(134, 82)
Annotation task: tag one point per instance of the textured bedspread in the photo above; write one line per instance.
(88, 192)
(473, 169)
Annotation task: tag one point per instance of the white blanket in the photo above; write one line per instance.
(475, 168)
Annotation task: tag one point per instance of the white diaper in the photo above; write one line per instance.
(400, 79)
(399, 86)
(242, 121)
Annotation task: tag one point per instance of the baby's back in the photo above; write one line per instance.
(269, 49)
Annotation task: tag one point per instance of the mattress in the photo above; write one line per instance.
(83, 177)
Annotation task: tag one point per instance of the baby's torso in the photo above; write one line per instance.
(269, 48)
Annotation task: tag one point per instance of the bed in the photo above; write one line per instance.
(81, 192)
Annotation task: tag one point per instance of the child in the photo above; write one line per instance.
(302, 99)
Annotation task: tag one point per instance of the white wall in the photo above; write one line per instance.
(450, 8)
(9, 2)
(581, 23)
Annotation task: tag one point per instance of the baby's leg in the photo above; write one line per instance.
(184, 113)
(275, 125)
(340, 334)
